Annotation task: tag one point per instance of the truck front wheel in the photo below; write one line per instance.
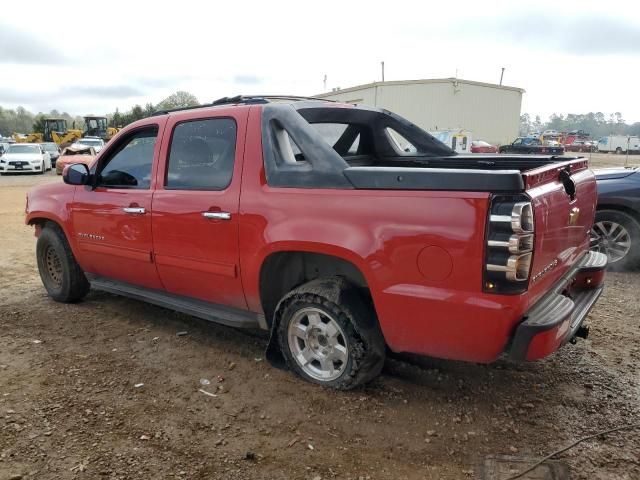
(61, 275)
(328, 334)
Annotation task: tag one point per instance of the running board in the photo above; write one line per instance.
(232, 317)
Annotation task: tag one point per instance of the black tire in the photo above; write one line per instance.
(61, 275)
(618, 151)
(605, 218)
(42, 170)
(339, 301)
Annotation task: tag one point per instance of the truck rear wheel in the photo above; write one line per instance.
(329, 335)
(61, 275)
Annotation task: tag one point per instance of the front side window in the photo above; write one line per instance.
(130, 165)
(202, 155)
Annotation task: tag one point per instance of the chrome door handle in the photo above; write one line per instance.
(217, 215)
(134, 210)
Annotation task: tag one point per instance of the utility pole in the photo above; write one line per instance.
(501, 75)
(626, 162)
(382, 64)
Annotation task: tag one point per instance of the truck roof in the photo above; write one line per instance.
(249, 100)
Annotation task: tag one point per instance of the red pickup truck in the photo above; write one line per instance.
(344, 231)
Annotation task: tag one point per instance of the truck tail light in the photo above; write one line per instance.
(510, 242)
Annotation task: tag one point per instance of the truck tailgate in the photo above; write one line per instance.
(564, 199)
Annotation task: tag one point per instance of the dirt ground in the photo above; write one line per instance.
(107, 389)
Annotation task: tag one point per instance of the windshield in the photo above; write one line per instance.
(24, 149)
(57, 125)
(92, 143)
(95, 125)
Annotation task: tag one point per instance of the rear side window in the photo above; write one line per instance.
(130, 165)
(402, 144)
(202, 155)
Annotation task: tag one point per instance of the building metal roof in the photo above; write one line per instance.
(420, 81)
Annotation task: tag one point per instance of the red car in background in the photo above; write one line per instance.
(480, 146)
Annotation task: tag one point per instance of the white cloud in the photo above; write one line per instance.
(569, 57)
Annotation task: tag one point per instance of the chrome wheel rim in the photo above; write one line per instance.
(53, 265)
(318, 344)
(612, 239)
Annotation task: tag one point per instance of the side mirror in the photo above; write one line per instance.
(76, 174)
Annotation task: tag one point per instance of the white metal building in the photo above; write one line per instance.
(490, 112)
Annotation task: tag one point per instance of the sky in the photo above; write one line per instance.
(570, 56)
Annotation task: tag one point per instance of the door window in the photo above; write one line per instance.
(202, 155)
(130, 165)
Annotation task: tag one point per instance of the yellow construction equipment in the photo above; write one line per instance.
(96, 126)
(29, 138)
(55, 130)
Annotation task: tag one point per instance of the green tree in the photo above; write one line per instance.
(180, 99)
(149, 109)
(38, 124)
(116, 119)
(137, 113)
(525, 124)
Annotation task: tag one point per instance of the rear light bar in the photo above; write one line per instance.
(509, 247)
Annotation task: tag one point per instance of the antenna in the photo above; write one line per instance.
(382, 65)
(324, 82)
(501, 75)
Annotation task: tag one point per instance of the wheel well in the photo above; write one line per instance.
(281, 272)
(44, 222)
(620, 208)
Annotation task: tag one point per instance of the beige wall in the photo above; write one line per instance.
(491, 113)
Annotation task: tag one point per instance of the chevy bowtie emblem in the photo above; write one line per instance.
(574, 215)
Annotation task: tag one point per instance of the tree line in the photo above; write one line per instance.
(20, 120)
(595, 123)
(180, 99)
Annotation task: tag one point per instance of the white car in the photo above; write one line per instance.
(96, 143)
(25, 157)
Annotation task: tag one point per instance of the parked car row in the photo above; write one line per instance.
(42, 157)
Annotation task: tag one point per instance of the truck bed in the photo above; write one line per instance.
(454, 173)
